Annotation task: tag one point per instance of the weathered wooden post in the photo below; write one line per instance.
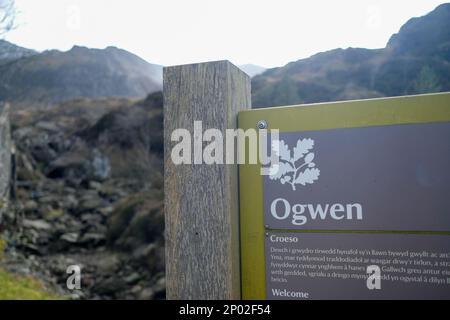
(5, 158)
(201, 201)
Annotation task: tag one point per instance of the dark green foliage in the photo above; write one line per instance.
(427, 81)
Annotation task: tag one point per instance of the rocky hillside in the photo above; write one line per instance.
(9, 52)
(89, 192)
(415, 60)
(55, 76)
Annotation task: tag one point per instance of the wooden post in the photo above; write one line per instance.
(201, 201)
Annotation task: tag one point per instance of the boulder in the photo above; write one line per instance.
(26, 169)
(110, 286)
(71, 237)
(48, 126)
(136, 220)
(36, 224)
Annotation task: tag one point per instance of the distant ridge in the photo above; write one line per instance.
(9, 52)
(252, 69)
(415, 60)
(54, 76)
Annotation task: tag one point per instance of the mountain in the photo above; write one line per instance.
(415, 60)
(252, 69)
(424, 36)
(55, 76)
(9, 52)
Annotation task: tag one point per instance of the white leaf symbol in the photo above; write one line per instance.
(308, 176)
(288, 170)
(309, 157)
(279, 170)
(282, 150)
(302, 147)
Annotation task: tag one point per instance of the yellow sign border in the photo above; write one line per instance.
(425, 108)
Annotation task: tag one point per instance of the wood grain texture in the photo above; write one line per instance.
(201, 201)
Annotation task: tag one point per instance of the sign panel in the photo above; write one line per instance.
(338, 266)
(359, 207)
(375, 178)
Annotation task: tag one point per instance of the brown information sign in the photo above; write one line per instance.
(357, 266)
(394, 177)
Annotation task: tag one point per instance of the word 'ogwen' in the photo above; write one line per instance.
(281, 209)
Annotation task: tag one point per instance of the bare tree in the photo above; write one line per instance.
(7, 15)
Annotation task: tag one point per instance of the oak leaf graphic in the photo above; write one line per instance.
(296, 169)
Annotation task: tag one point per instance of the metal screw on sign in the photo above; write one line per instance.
(262, 124)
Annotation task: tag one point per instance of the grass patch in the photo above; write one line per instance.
(2, 248)
(15, 287)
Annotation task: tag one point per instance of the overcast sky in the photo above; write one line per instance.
(169, 32)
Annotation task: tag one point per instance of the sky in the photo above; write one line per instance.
(172, 32)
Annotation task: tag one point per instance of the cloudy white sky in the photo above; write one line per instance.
(169, 32)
